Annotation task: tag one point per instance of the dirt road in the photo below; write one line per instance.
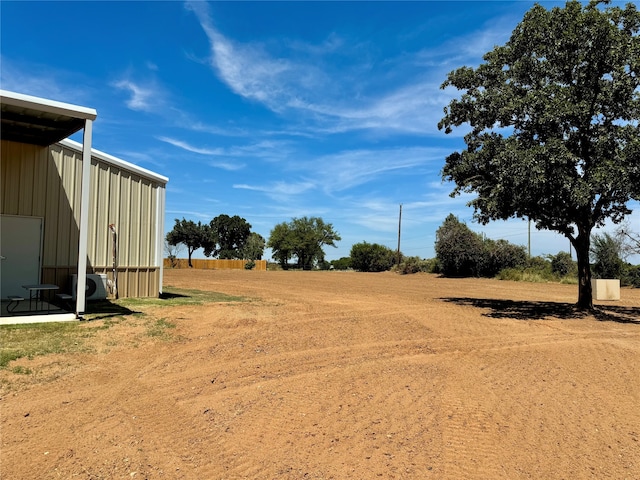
(335, 375)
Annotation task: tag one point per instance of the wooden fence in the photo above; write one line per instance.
(205, 264)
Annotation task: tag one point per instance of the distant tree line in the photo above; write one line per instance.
(460, 252)
(295, 244)
(223, 237)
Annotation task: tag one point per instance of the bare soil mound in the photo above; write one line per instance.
(335, 375)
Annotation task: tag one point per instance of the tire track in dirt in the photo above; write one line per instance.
(330, 415)
(554, 415)
(323, 375)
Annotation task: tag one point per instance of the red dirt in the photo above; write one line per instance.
(332, 375)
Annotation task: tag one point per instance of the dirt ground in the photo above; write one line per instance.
(337, 375)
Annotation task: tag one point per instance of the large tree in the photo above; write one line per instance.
(302, 238)
(188, 233)
(226, 237)
(280, 243)
(254, 247)
(554, 116)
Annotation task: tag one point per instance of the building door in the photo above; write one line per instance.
(20, 253)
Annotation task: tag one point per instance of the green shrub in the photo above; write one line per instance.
(460, 251)
(630, 276)
(501, 254)
(371, 257)
(463, 253)
(413, 265)
(323, 265)
(605, 251)
(524, 275)
(563, 265)
(539, 264)
(343, 263)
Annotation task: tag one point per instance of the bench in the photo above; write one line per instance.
(65, 298)
(14, 299)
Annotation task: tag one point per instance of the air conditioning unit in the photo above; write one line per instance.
(96, 287)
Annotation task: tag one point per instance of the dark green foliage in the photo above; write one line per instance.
(343, 263)
(226, 237)
(539, 263)
(562, 264)
(463, 253)
(188, 233)
(502, 254)
(631, 276)
(371, 257)
(323, 265)
(302, 238)
(254, 247)
(415, 265)
(605, 251)
(555, 132)
(281, 243)
(459, 251)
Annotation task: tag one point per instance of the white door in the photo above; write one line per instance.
(20, 253)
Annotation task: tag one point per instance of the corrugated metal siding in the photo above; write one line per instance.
(46, 182)
(128, 202)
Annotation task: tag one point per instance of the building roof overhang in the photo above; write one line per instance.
(40, 121)
(117, 162)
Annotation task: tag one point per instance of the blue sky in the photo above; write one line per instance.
(274, 110)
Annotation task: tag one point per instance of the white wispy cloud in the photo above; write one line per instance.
(199, 126)
(247, 69)
(229, 166)
(189, 214)
(146, 98)
(363, 101)
(279, 191)
(191, 148)
(348, 169)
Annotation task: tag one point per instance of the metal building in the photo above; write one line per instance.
(67, 208)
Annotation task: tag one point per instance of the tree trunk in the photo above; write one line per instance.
(585, 297)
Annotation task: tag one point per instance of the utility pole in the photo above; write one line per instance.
(399, 228)
(529, 238)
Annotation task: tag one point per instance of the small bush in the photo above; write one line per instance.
(415, 265)
(371, 257)
(630, 276)
(540, 264)
(323, 265)
(249, 265)
(343, 263)
(563, 265)
(524, 275)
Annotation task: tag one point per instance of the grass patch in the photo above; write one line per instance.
(115, 310)
(20, 370)
(160, 329)
(177, 296)
(534, 275)
(33, 339)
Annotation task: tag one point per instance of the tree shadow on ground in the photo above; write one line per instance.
(169, 296)
(103, 309)
(531, 310)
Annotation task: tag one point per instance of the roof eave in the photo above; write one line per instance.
(46, 105)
